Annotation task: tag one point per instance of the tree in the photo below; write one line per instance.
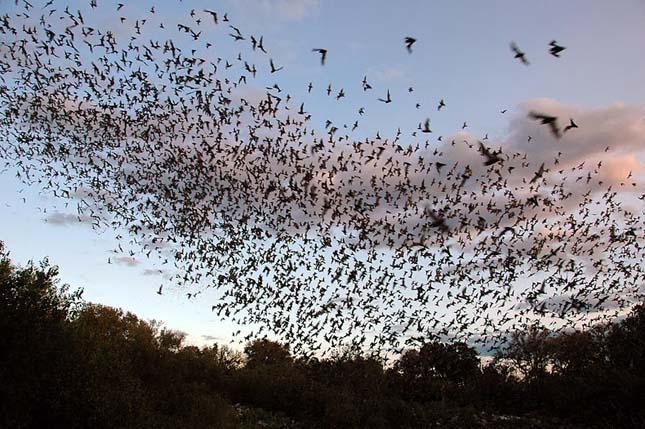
(528, 352)
(423, 374)
(38, 373)
(455, 362)
(575, 354)
(223, 357)
(264, 352)
(626, 342)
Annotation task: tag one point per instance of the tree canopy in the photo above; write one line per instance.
(69, 363)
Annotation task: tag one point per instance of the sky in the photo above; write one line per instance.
(461, 55)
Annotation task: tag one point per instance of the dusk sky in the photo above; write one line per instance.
(462, 56)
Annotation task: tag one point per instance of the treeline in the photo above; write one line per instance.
(67, 363)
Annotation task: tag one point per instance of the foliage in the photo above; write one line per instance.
(66, 363)
(35, 362)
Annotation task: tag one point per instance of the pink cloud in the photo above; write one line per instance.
(128, 261)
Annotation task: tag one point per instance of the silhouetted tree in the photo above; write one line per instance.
(575, 354)
(66, 363)
(266, 352)
(528, 352)
(37, 364)
(626, 342)
(424, 374)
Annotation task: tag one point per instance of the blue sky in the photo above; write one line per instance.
(462, 56)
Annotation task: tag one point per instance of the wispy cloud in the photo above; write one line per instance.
(128, 261)
(65, 219)
(387, 74)
(282, 10)
(293, 9)
(211, 338)
(153, 272)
